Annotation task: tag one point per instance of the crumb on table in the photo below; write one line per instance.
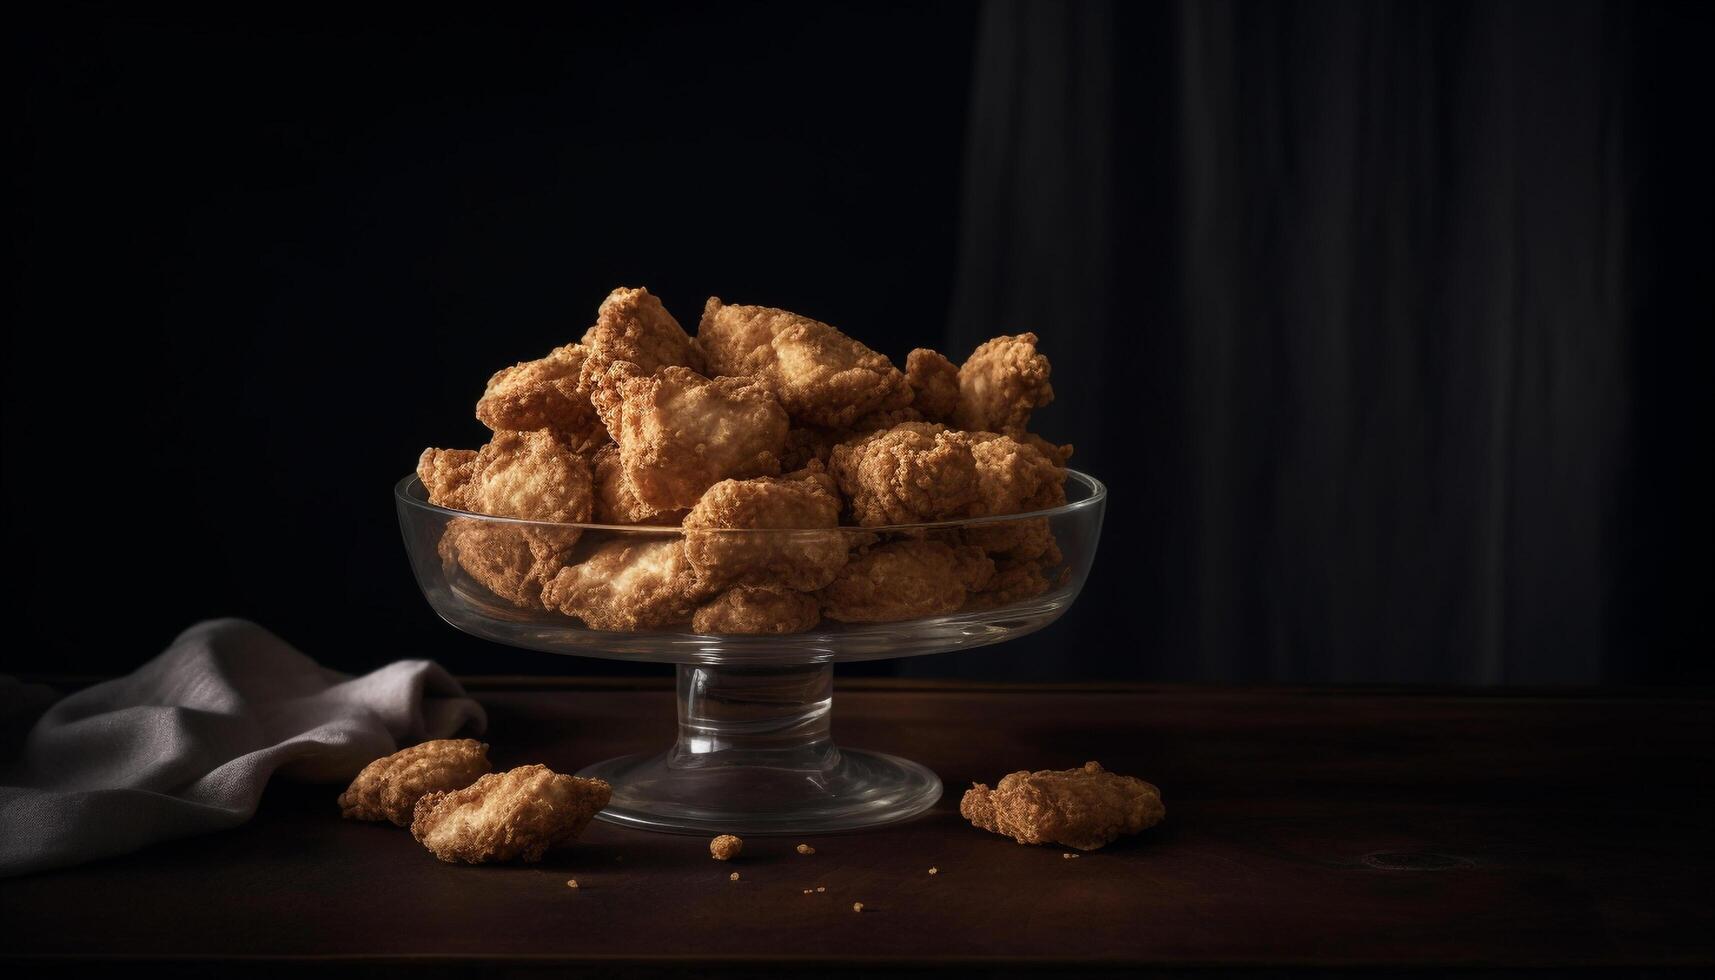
(820, 888)
(732, 877)
(806, 849)
(934, 871)
(725, 847)
(571, 882)
(1067, 856)
(857, 906)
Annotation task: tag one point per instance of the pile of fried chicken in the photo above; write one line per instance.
(775, 442)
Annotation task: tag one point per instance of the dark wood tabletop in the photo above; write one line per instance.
(1436, 832)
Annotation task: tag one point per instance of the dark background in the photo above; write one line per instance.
(1387, 323)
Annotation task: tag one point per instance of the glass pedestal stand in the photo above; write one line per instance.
(754, 756)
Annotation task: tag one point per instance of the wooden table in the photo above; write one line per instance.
(1440, 832)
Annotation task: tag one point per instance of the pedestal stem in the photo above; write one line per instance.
(774, 717)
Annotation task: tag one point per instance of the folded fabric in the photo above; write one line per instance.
(186, 743)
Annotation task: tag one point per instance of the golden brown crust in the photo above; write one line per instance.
(1059, 454)
(1001, 383)
(1018, 540)
(758, 610)
(902, 580)
(1012, 581)
(514, 562)
(635, 582)
(879, 421)
(543, 394)
(915, 471)
(975, 570)
(934, 382)
(797, 500)
(1083, 808)
(633, 326)
(679, 433)
(735, 340)
(727, 537)
(1015, 477)
(445, 473)
(616, 502)
(821, 376)
(517, 815)
(725, 847)
(529, 475)
(389, 787)
(817, 472)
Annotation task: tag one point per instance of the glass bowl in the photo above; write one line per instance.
(754, 754)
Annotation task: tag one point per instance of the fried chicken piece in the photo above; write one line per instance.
(1013, 581)
(634, 582)
(389, 787)
(445, 473)
(751, 609)
(1082, 808)
(529, 475)
(680, 433)
(1012, 477)
(633, 326)
(974, 569)
(1015, 477)
(1059, 454)
(906, 579)
(934, 382)
(616, 502)
(516, 815)
(1000, 383)
(513, 562)
(915, 471)
(821, 376)
(815, 443)
(543, 394)
(1016, 540)
(766, 531)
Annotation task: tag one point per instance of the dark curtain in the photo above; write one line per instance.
(1384, 321)
(1388, 324)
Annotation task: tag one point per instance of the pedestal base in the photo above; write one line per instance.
(860, 789)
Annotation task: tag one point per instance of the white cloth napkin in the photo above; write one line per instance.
(186, 743)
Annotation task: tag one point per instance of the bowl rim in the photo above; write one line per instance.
(1098, 495)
